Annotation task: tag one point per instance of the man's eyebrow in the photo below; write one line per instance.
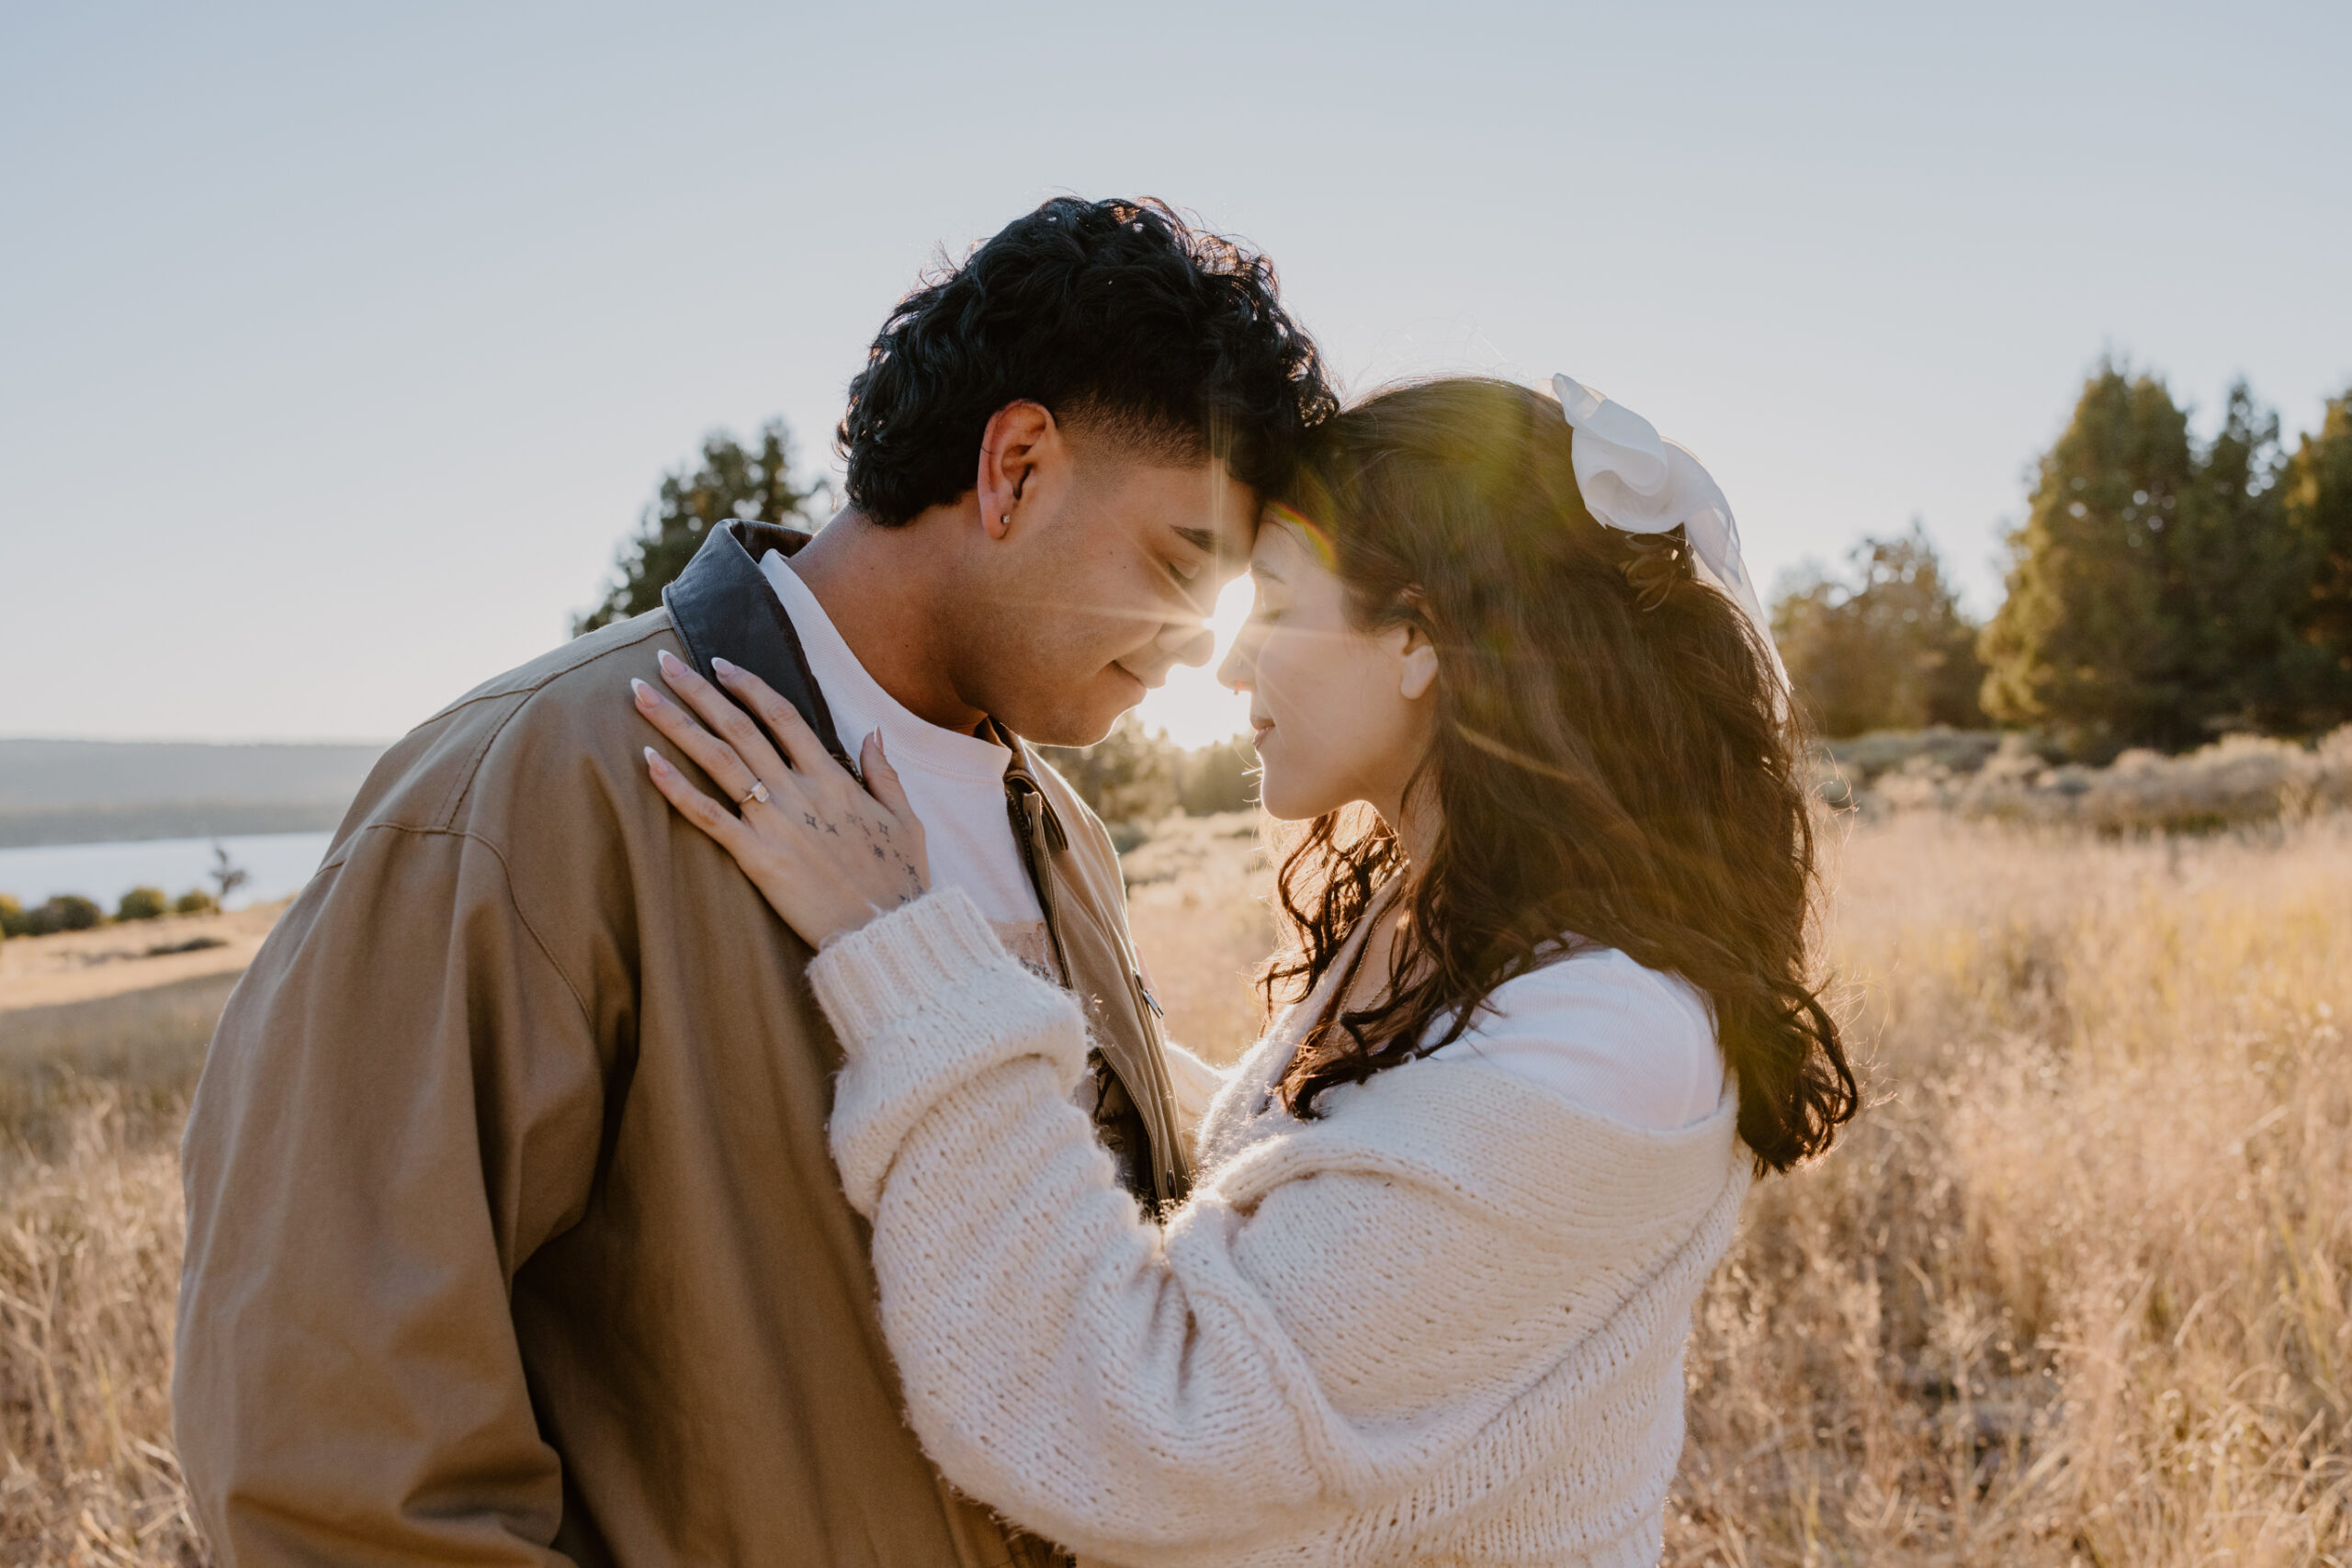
(1201, 539)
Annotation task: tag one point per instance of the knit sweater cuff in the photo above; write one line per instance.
(924, 1000)
(889, 965)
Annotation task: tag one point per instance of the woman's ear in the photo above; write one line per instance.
(1420, 665)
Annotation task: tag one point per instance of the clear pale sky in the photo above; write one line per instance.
(339, 347)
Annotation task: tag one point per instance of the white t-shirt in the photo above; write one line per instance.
(955, 782)
(1597, 1029)
(1603, 1033)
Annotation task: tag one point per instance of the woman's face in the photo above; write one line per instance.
(1341, 714)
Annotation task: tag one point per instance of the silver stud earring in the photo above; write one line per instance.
(1005, 521)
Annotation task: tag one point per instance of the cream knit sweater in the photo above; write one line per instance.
(1442, 1323)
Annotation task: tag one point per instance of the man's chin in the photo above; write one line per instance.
(1079, 724)
(1086, 715)
(1070, 730)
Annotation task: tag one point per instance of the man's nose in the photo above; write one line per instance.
(1188, 642)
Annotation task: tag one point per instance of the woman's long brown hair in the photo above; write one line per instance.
(1612, 765)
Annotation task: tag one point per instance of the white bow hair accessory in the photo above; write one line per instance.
(1636, 481)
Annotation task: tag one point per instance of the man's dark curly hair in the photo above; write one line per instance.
(1118, 317)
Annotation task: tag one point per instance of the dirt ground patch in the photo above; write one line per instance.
(81, 967)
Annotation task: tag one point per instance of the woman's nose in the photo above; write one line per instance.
(1233, 673)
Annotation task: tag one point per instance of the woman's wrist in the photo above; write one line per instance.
(897, 963)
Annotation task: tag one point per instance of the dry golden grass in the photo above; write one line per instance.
(2077, 1289)
(1197, 903)
(90, 1226)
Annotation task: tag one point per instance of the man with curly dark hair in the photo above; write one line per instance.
(512, 1233)
(1055, 452)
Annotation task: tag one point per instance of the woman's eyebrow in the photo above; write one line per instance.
(1269, 573)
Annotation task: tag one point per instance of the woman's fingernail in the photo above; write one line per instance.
(653, 760)
(726, 671)
(645, 697)
(671, 663)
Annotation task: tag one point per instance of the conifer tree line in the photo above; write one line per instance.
(2162, 589)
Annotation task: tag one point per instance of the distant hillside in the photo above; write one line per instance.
(73, 792)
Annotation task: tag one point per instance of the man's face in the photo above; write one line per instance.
(1105, 582)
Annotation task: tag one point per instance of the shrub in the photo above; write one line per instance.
(195, 901)
(1217, 778)
(143, 904)
(63, 912)
(2237, 782)
(1127, 776)
(12, 917)
(1885, 646)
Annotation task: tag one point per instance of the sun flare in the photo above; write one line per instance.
(1192, 708)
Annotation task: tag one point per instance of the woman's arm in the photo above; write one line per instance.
(1310, 1335)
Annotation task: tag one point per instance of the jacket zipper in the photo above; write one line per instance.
(1026, 805)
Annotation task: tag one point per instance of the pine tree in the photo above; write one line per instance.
(2233, 575)
(2083, 643)
(732, 482)
(1887, 647)
(2316, 496)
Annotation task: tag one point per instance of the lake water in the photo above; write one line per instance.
(280, 864)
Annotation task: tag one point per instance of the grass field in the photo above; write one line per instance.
(2076, 1289)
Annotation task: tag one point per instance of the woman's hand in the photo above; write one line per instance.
(827, 854)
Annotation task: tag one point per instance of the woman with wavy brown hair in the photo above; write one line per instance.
(1546, 1010)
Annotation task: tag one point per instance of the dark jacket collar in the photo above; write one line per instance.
(722, 605)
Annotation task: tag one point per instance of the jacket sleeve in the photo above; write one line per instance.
(1301, 1342)
(403, 1102)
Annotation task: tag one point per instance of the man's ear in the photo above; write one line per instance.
(1019, 439)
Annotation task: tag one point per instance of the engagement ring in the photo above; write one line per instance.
(759, 791)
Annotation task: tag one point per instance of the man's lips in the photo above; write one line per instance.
(1151, 683)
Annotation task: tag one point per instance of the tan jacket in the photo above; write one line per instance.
(513, 1235)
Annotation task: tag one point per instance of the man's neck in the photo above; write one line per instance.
(879, 587)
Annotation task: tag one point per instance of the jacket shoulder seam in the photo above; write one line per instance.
(447, 810)
(506, 875)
